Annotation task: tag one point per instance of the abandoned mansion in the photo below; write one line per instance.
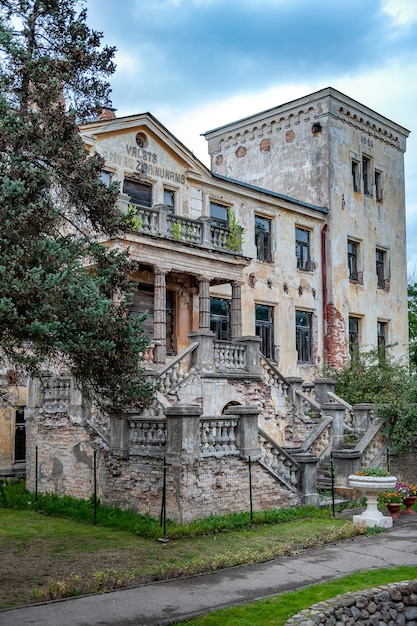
(257, 276)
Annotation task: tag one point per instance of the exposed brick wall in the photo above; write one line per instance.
(202, 487)
(404, 466)
(337, 348)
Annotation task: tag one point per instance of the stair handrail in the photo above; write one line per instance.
(313, 403)
(277, 373)
(295, 467)
(165, 369)
(373, 430)
(335, 398)
(309, 442)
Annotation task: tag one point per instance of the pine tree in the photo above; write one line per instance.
(57, 282)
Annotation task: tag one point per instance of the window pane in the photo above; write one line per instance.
(219, 213)
(140, 193)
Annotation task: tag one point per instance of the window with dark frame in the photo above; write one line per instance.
(381, 337)
(220, 318)
(264, 328)
(303, 336)
(354, 336)
(140, 193)
(169, 199)
(263, 238)
(353, 260)
(219, 214)
(366, 172)
(355, 176)
(378, 186)
(380, 267)
(302, 248)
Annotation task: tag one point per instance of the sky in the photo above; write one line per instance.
(199, 64)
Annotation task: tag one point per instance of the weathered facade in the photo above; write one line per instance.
(286, 255)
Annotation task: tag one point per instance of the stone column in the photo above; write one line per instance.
(346, 462)
(182, 454)
(307, 477)
(204, 300)
(160, 323)
(337, 412)
(362, 416)
(296, 385)
(236, 310)
(247, 432)
(202, 359)
(253, 362)
(321, 387)
(119, 435)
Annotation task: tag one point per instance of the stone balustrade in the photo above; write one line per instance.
(146, 433)
(158, 221)
(229, 355)
(278, 461)
(218, 436)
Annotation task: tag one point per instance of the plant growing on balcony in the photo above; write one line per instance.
(176, 231)
(133, 220)
(234, 239)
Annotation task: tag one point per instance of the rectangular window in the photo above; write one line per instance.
(354, 323)
(220, 323)
(140, 193)
(264, 328)
(106, 177)
(366, 173)
(302, 249)
(355, 176)
(219, 214)
(380, 267)
(353, 250)
(378, 186)
(263, 238)
(303, 336)
(169, 199)
(382, 337)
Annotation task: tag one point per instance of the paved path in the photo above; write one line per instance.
(164, 602)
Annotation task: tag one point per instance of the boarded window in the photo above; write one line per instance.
(140, 193)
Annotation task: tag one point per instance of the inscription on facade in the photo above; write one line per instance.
(367, 142)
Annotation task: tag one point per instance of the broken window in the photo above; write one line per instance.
(354, 323)
(264, 328)
(303, 336)
(263, 238)
(378, 186)
(381, 337)
(353, 250)
(366, 173)
(380, 267)
(355, 176)
(140, 193)
(302, 249)
(169, 199)
(220, 323)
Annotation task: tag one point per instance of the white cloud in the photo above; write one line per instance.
(404, 12)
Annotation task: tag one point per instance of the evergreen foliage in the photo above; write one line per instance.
(57, 281)
(381, 380)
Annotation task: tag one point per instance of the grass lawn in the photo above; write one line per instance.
(37, 550)
(277, 610)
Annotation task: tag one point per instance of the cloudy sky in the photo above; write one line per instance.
(198, 64)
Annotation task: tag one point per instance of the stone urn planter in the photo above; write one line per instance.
(371, 486)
